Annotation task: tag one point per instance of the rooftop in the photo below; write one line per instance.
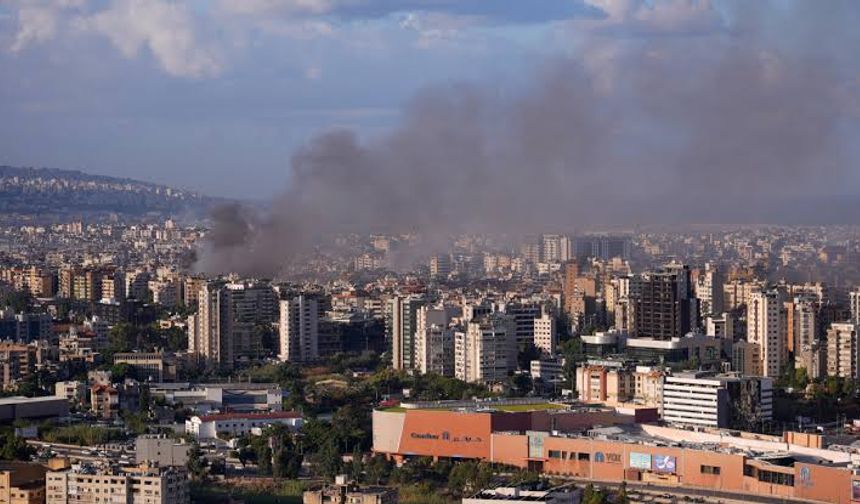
(249, 416)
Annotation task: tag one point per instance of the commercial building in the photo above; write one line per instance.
(723, 401)
(154, 366)
(239, 424)
(134, 485)
(207, 397)
(608, 447)
(20, 408)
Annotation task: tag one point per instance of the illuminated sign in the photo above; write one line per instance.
(640, 461)
(664, 463)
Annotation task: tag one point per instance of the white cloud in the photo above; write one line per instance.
(36, 24)
(278, 7)
(659, 15)
(165, 28)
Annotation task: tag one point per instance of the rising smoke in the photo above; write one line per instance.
(715, 128)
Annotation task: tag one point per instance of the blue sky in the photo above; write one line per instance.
(216, 95)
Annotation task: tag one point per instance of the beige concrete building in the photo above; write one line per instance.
(22, 483)
(348, 492)
(136, 485)
(842, 351)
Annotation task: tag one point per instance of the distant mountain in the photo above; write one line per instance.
(53, 194)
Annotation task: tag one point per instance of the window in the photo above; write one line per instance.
(706, 469)
(555, 454)
(583, 456)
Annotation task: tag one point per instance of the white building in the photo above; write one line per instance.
(720, 401)
(842, 351)
(854, 306)
(765, 328)
(545, 337)
(434, 340)
(239, 424)
(298, 329)
(486, 351)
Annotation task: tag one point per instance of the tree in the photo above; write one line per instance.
(593, 495)
(356, 468)
(119, 372)
(328, 460)
(196, 462)
(13, 447)
(621, 497)
(377, 470)
(286, 459)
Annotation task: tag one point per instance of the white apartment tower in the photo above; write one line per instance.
(765, 328)
(486, 351)
(298, 329)
(224, 329)
(545, 338)
(401, 314)
(842, 350)
(854, 306)
(434, 341)
(555, 248)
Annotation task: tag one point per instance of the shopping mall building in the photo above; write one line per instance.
(611, 446)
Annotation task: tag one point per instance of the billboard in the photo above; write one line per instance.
(664, 463)
(640, 461)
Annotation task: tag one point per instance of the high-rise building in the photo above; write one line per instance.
(664, 307)
(854, 306)
(524, 315)
(708, 289)
(298, 328)
(545, 337)
(555, 248)
(766, 329)
(400, 324)
(434, 340)
(486, 351)
(602, 247)
(441, 265)
(224, 331)
(843, 351)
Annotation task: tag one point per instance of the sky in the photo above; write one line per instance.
(218, 96)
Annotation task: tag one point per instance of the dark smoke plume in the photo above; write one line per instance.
(721, 129)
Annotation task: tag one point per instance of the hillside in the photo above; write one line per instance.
(49, 193)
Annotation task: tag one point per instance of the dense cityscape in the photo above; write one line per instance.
(603, 357)
(429, 252)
